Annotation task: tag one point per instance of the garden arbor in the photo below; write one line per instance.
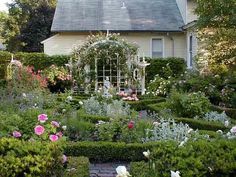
(104, 57)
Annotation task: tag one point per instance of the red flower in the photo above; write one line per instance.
(131, 125)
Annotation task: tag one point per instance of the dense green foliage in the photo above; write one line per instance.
(216, 25)
(200, 158)
(108, 151)
(23, 158)
(165, 67)
(77, 167)
(189, 105)
(91, 118)
(21, 26)
(39, 61)
(142, 104)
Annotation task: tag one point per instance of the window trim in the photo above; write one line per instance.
(163, 45)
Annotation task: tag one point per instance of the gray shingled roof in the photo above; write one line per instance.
(102, 15)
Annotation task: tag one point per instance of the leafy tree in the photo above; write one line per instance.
(217, 31)
(28, 23)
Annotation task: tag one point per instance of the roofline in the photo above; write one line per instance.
(189, 25)
(117, 31)
(42, 42)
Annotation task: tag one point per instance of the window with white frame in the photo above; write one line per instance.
(190, 51)
(157, 48)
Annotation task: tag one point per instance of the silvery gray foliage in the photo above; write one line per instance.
(216, 117)
(92, 106)
(114, 109)
(168, 130)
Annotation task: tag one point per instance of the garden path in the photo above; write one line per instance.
(105, 169)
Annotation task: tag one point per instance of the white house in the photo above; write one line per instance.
(161, 28)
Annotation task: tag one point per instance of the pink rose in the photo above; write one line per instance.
(39, 130)
(42, 118)
(64, 158)
(53, 138)
(16, 134)
(59, 134)
(55, 124)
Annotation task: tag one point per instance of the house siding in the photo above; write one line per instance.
(63, 43)
(191, 16)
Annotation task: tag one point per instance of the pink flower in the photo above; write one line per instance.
(64, 158)
(16, 134)
(59, 134)
(42, 118)
(131, 125)
(53, 138)
(55, 124)
(39, 130)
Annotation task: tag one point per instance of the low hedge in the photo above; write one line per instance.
(91, 118)
(108, 151)
(38, 60)
(200, 158)
(201, 124)
(158, 65)
(24, 158)
(77, 167)
(193, 123)
(231, 112)
(142, 104)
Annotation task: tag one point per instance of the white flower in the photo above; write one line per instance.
(63, 110)
(156, 123)
(147, 153)
(233, 130)
(182, 143)
(190, 130)
(24, 95)
(81, 102)
(175, 174)
(101, 122)
(69, 98)
(122, 172)
(64, 127)
(226, 123)
(219, 131)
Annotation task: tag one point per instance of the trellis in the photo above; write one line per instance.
(119, 70)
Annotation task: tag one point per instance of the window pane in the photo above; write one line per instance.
(191, 51)
(157, 48)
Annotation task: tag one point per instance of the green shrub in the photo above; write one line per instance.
(77, 167)
(201, 124)
(5, 58)
(91, 118)
(193, 123)
(200, 158)
(23, 158)
(158, 107)
(39, 61)
(79, 130)
(142, 104)
(108, 151)
(231, 112)
(165, 67)
(189, 104)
